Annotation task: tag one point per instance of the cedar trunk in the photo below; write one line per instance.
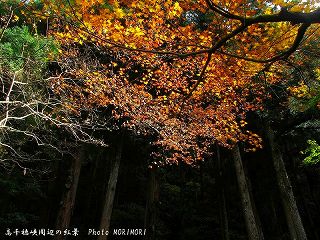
(69, 196)
(224, 225)
(294, 222)
(250, 220)
(110, 193)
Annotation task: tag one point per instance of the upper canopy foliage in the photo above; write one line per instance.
(187, 70)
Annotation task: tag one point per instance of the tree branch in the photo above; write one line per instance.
(301, 31)
(285, 16)
(214, 7)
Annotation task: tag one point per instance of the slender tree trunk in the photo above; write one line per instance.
(68, 199)
(254, 208)
(250, 220)
(91, 207)
(294, 222)
(224, 225)
(275, 228)
(110, 193)
(151, 209)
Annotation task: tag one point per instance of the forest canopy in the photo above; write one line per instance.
(172, 66)
(164, 68)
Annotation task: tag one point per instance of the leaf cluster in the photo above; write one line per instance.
(312, 152)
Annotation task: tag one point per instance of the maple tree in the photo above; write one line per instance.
(190, 71)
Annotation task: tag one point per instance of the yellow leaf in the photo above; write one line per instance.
(119, 13)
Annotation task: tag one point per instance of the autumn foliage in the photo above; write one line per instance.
(185, 71)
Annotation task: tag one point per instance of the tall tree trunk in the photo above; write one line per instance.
(151, 209)
(69, 196)
(111, 190)
(254, 208)
(250, 220)
(224, 225)
(275, 227)
(294, 222)
(92, 208)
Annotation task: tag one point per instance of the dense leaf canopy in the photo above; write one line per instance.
(187, 71)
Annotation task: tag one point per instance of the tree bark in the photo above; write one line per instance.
(254, 208)
(224, 225)
(250, 220)
(294, 222)
(110, 193)
(68, 199)
(92, 209)
(151, 209)
(275, 227)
